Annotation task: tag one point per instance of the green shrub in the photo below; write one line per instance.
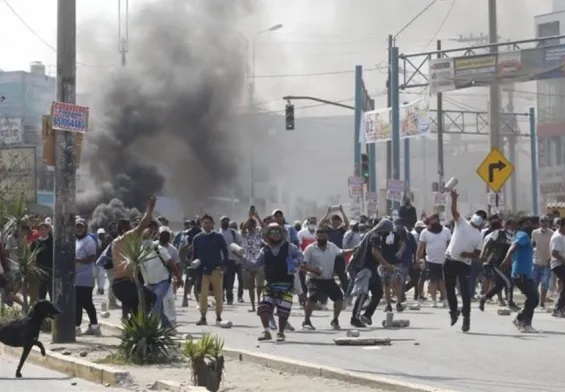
(144, 341)
(206, 361)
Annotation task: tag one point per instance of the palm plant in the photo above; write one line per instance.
(13, 218)
(206, 360)
(144, 340)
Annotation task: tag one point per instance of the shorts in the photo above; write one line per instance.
(253, 279)
(541, 275)
(435, 271)
(277, 295)
(388, 275)
(321, 288)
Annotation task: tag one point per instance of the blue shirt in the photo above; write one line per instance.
(211, 250)
(523, 256)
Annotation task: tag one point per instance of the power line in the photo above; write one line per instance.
(298, 75)
(441, 24)
(43, 41)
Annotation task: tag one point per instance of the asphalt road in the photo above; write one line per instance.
(492, 356)
(36, 378)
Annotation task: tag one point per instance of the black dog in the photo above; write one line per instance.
(24, 332)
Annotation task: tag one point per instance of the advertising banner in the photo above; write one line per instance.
(414, 121)
(355, 185)
(69, 117)
(11, 131)
(540, 63)
(18, 173)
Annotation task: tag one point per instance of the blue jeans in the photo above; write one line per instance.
(161, 289)
(541, 275)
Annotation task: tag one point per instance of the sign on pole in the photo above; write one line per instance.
(69, 117)
(355, 185)
(439, 199)
(395, 190)
(496, 200)
(495, 170)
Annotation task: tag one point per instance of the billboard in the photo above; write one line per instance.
(11, 131)
(504, 67)
(376, 126)
(18, 173)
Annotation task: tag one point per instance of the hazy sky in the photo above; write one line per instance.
(318, 36)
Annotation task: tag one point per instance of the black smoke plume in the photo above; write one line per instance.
(104, 214)
(166, 121)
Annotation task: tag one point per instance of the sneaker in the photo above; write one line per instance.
(335, 325)
(443, 304)
(558, 313)
(307, 325)
(218, 320)
(185, 303)
(92, 330)
(202, 321)
(265, 335)
(528, 329)
(434, 303)
(517, 323)
(289, 327)
(366, 319)
(388, 308)
(482, 302)
(357, 323)
(466, 325)
(230, 302)
(280, 337)
(502, 302)
(542, 306)
(240, 300)
(399, 307)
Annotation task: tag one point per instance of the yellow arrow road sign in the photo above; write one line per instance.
(495, 170)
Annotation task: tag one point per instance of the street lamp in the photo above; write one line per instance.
(251, 92)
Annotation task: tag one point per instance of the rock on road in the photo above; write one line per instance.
(36, 378)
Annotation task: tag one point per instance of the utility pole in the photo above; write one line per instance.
(389, 104)
(440, 170)
(65, 177)
(494, 109)
(512, 147)
(123, 38)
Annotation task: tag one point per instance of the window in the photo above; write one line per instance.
(558, 156)
(549, 29)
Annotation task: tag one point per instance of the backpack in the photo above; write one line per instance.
(156, 249)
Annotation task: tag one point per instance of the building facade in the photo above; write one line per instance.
(26, 96)
(551, 116)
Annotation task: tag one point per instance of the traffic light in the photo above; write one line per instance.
(365, 171)
(289, 117)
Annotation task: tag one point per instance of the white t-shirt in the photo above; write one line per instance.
(465, 238)
(305, 238)
(322, 259)
(436, 245)
(557, 243)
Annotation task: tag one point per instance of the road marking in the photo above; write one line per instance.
(371, 348)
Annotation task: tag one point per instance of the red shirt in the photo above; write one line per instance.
(32, 236)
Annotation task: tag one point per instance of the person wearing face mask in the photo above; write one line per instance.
(466, 245)
(280, 259)
(541, 238)
(495, 248)
(433, 242)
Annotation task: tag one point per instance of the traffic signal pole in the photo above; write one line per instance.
(358, 118)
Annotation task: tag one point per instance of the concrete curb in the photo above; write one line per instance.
(309, 369)
(173, 386)
(72, 366)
